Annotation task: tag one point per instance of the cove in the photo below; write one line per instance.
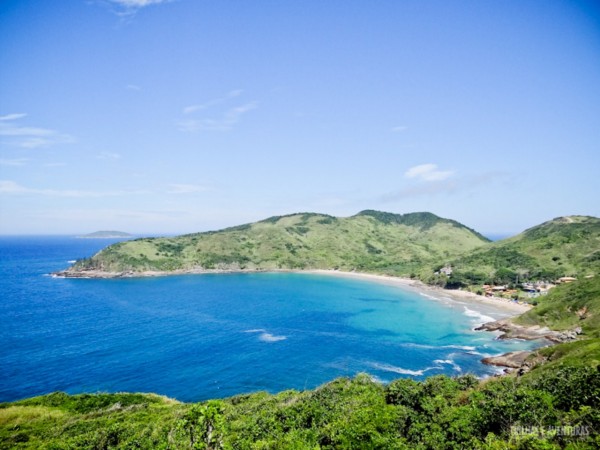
(195, 337)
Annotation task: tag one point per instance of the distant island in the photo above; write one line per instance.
(105, 235)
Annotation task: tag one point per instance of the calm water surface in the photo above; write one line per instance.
(202, 336)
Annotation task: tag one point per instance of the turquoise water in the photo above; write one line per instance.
(201, 336)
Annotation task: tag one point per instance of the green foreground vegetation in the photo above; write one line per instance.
(562, 410)
(555, 405)
(566, 246)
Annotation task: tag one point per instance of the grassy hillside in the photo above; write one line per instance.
(415, 245)
(566, 246)
(438, 413)
(567, 307)
(368, 241)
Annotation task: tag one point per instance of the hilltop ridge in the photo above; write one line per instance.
(370, 241)
(415, 245)
(564, 246)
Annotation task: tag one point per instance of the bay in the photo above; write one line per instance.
(194, 337)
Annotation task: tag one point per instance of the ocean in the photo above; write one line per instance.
(194, 337)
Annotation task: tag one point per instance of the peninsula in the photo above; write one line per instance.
(420, 246)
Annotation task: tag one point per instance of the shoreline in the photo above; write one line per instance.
(507, 305)
(501, 303)
(510, 361)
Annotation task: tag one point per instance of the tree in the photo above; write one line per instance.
(203, 424)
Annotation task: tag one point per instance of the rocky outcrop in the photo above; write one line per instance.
(513, 360)
(523, 361)
(520, 362)
(99, 273)
(511, 330)
(90, 273)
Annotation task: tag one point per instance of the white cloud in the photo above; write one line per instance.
(109, 156)
(138, 3)
(13, 116)
(399, 129)
(30, 137)
(186, 189)
(421, 190)
(223, 123)
(127, 9)
(216, 101)
(133, 87)
(13, 162)
(8, 187)
(428, 172)
(466, 183)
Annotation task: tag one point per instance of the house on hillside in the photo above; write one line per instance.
(566, 280)
(446, 270)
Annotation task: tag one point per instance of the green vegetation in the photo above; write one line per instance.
(554, 405)
(567, 246)
(568, 306)
(370, 241)
(413, 245)
(438, 413)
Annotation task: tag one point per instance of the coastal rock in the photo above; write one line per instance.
(519, 361)
(99, 273)
(513, 360)
(511, 330)
(92, 273)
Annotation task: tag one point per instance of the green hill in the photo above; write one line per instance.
(567, 307)
(415, 245)
(566, 246)
(369, 241)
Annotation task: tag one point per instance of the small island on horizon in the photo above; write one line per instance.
(105, 235)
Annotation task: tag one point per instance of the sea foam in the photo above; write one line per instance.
(389, 368)
(264, 336)
(449, 362)
(478, 317)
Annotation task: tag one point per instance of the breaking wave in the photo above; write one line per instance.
(478, 317)
(266, 337)
(449, 362)
(399, 370)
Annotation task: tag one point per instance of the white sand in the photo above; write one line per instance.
(502, 303)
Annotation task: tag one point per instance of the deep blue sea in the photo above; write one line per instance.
(195, 337)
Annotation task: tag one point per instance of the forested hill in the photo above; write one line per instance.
(369, 241)
(565, 246)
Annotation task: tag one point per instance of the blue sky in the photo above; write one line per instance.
(154, 116)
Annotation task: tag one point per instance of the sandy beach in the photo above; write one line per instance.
(508, 305)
